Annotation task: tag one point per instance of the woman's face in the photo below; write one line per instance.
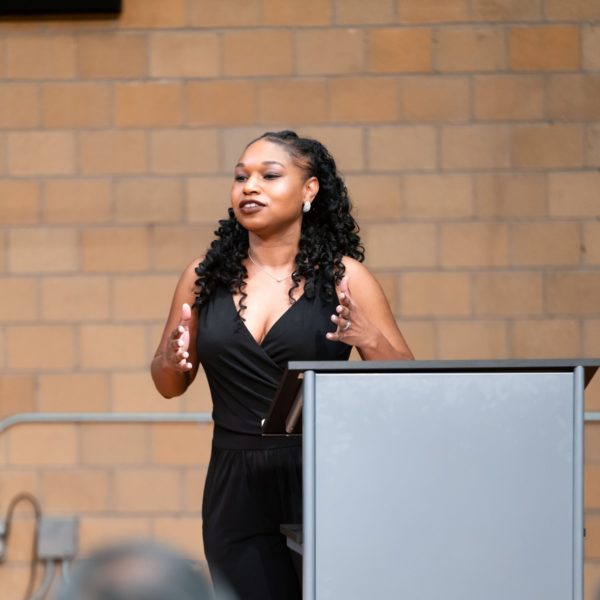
(269, 190)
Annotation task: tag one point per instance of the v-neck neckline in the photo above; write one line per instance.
(279, 319)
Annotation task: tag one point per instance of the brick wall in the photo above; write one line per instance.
(469, 135)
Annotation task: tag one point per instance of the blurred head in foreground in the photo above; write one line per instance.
(138, 571)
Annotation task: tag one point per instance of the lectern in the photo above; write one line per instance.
(428, 480)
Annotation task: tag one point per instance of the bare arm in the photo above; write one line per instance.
(373, 329)
(175, 363)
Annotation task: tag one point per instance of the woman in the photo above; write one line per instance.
(284, 266)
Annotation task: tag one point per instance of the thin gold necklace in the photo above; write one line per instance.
(277, 279)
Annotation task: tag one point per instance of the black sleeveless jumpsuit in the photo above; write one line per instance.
(254, 484)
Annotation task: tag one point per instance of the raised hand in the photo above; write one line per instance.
(353, 327)
(178, 344)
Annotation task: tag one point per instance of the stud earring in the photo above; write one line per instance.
(306, 206)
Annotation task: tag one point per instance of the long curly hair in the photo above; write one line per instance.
(328, 232)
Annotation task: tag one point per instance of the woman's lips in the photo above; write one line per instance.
(250, 206)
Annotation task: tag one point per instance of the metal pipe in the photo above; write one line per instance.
(76, 417)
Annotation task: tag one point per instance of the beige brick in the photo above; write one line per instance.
(592, 487)
(435, 98)
(307, 13)
(75, 105)
(112, 152)
(574, 194)
(555, 338)
(591, 337)
(592, 540)
(181, 533)
(592, 145)
(472, 340)
(19, 202)
(41, 153)
(15, 482)
(3, 153)
(197, 398)
(591, 244)
(435, 294)
(19, 299)
(474, 245)
(547, 146)
(329, 51)
(149, 200)
(506, 10)
(375, 197)
(218, 102)
(591, 47)
(352, 12)
(573, 293)
(574, 97)
(17, 394)
(141, 298)
(80, 298)
(545, 48)
(372, 100)
(592, 438)
(112, 346)
(40, 57)
(509, 97)
(174, 247)
(3, 251)
(207, 199)
(292, 101)
(421, 338)
(149, 14)
(399, 50)
(42, 250)
(402, 148)
(545, 244)
(101, 56)
(181, 443)
(257, 53)
(504, 294)
(135, 392)
(235, 13)
(54, 347)
(42, 444)
(184, 151)
(345, 144)
(470, 49)
(78, 200)
(193, 487)
(438, 196)
(400, 245)
(22, 532)
(572, 10)
(115, 249)
(73, 392)
(511, 195)
(114, 444)
(142, 104)
(475, 147)
(96, 532)
(432, 11)
(189, 54)
(19, 105)
(147, 490)
(77, 490)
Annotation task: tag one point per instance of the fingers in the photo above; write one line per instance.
(186, 314)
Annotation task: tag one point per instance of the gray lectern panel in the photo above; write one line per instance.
(455, 486)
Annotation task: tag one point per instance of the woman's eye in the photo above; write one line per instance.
(240, 177)
(272, 175)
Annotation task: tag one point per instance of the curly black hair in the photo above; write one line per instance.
(328, 232)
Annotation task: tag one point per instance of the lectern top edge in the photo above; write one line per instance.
(291, 381)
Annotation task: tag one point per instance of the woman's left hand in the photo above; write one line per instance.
(353, 327)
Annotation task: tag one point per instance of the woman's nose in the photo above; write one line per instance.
(250, 185)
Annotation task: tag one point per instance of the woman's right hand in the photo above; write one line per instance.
(178, 343)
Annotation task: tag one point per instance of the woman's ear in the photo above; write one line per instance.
(311, 189)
